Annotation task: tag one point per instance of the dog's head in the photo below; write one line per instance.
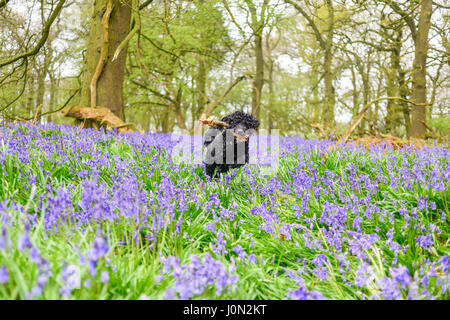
(242, 120)
(239, 122)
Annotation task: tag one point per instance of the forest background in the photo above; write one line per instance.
(302, 67)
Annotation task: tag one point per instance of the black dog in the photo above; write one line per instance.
(228, 147)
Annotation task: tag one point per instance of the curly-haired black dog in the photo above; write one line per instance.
(228, 147)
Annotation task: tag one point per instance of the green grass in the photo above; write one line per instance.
(134, 267)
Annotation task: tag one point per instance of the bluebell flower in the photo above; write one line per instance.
(4, 275)
(302, 293)
(24, 242)
(104, 276)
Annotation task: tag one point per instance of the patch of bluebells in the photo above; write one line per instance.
(343, 207)
(4, 275)
(302, 293)
(364, 275)
(28, 251)
(193, 279)
(99, 249)
(70, 276)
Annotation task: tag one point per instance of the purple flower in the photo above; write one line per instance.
(424, 241)
(158, 279)
(401, 276)
(211, 227)
(99, 249)
(303, 294)
(299, 294)
(4, 275)
(319, 260)
(4, 241)
(240, 251)
(219, 246)
(192, 279)
(389, 289)
(444, 261)
(252, 258)
(70, 276)
(104, 277)
(170, 294)
(364, 275)
(321, 273)
(24, 242)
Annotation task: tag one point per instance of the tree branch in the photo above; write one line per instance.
(136, 28)
(408, 19)
(3, 3)
(145, 4)
(156, 93)
(213, 104)
(310, 22)
(42, 40)
(227, 7)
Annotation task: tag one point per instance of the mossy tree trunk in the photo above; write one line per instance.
(419, 81)
(42, 74)
(110, 82)
(257, 25)
(30, 90)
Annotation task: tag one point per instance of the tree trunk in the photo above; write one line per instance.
(271, 105)
(201, 85)
(110, 82)
(53, 97)
(166, 124)
(355, 94)
(404, 106)
(328, 111)
(392, 119)
(30, 90)
(419, 89)
(257, 26)
(258, 82)
(42, 74)
(364, 70)
(146, 121)
(178, 109)
(330, 98)
(395, 88)
(202, 98)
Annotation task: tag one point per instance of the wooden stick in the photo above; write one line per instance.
(239, 137)
(211, 122)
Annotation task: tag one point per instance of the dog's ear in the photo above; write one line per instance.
(230, 119)
(250, 122)
(253, 123)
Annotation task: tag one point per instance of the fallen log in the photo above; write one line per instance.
(102, 116)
